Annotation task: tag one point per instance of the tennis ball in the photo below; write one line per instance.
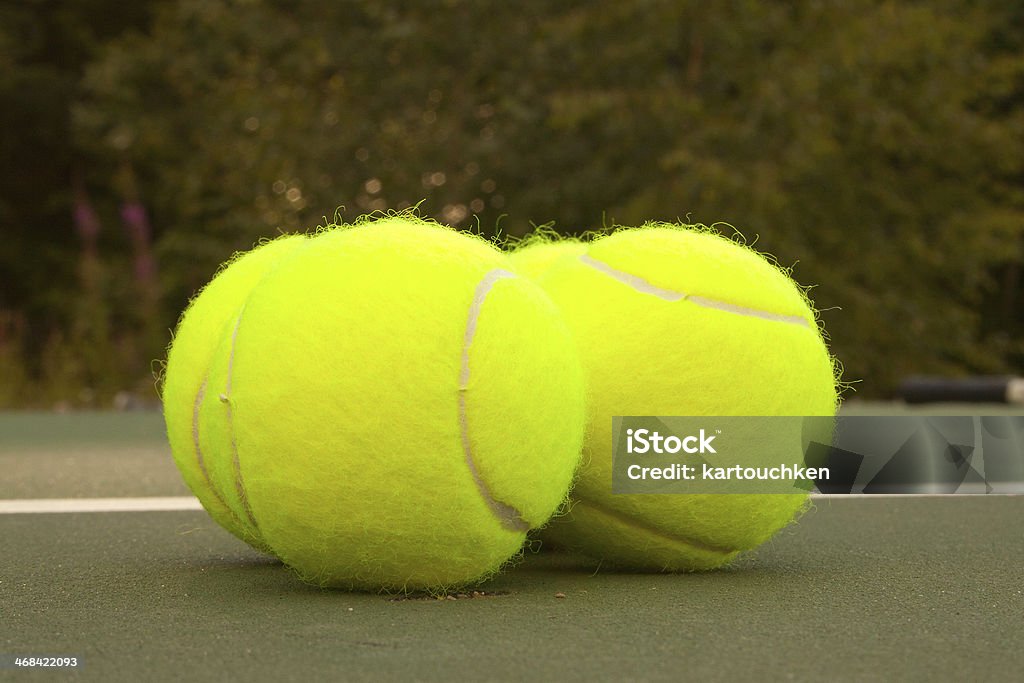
(674, 320)
(534, 257)
(185, 380)
(388, 407)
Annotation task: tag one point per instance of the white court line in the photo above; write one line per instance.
(52, 505)
(883, 496)
(38, 506)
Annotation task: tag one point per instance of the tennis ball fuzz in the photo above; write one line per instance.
(385, 406)
(185, 384)
(676, 321)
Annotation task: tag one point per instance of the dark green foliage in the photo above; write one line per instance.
(876, 145)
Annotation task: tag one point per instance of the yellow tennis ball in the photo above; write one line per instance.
(388, 407)
(185, 382)
(535, 257)
(677, 321)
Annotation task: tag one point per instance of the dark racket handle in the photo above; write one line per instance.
(984, 389)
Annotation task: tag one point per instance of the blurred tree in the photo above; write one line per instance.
(846, 135)
(246, 118)
(55, 280)
(876, 143)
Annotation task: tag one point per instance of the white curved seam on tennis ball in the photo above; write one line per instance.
(229, 419)
(638, 283)
(637, 524)
(226, 396)
(749, 312)
(509, 517)
(644, 287)
(200, 458)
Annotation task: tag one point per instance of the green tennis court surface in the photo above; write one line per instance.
(884, 588)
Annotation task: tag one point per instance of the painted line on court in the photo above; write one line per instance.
(30, 506)
(883, 496)
(39, 506)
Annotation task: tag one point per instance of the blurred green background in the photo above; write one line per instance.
(877, 147)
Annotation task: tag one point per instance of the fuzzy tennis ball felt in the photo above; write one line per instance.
(185, 382)
(677, 320)
(387, 407)
(540, 253)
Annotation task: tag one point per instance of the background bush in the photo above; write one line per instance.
(877, 146)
